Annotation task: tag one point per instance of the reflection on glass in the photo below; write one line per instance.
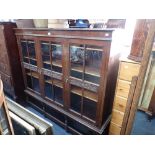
(45, 48)
(35, 81)
(89, 108)
(77, 60)
(58, 91)
(24, 51)
(31, 48)
(54, 89)
(56, 57)
(28, 77)
(32, 80)
(76, 98)
(93, 59)
(48, 87)
(28, 51)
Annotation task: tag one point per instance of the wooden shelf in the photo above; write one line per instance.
(57, 63)
(54, 63)
(55, 82)
(94, 49)
(30, 58)
(34, 74)
(47, 62)
(88, 48)
(87, 94)
(88, 70)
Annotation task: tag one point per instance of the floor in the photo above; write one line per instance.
(142, 125)
(56, 128)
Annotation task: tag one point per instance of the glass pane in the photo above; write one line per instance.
(46, 55)
(32, 55)
(31, 47)
(77, 60)
(93, 59)
(56, 57)
(48, 87)
(76, 98)
(89, 104)
(4, 121)
(58, 91)
(35, 81)
(33, 61)
(28, 77)
(24, 51)
(89, 108)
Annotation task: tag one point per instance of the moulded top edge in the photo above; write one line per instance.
(67, 29)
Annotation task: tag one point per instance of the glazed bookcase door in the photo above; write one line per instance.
(51, 53)
(29, 59)
(84, 78)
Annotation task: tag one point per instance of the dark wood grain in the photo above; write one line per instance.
(139, 39)
(11, 60)
(108, 71)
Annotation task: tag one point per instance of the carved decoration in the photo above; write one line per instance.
(31, 67)
(85, 85)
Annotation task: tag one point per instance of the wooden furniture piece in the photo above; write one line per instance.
(5, 121)
(139, 39)
(21, 115)
(143, 69)
(148, 85)
(127, 70)
(10, 66)
(70, 76)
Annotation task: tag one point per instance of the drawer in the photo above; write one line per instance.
(123, 88)
(117, 117)
(7, 82)
(128, 70)
(120, 103)
(114, 129)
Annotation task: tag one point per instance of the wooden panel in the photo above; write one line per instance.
(114, 129)
(150, 84)
(120, 103)
(139, 39)
(123, 88)
(127, 70)
(145, 59)
(129, 103)
(117, 117)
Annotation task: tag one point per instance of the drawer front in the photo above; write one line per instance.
(114, 129)
(7, 83)
(120, 103)
(117, 117)
(127, 70)
(123, 88)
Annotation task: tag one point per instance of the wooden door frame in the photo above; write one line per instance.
(143, 68)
